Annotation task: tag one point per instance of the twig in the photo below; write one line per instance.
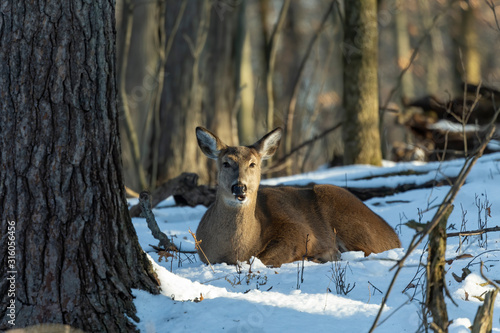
(198, 247)
(145, 202)
(386, 296)
(282, 160)
(480, 254)
(486, 278)
(492, 6)
(384, 299)
(178, 251)
(303, 259)
(473, 232)
(376, 289)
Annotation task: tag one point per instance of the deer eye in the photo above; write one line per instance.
(253, 165)
(226, 165)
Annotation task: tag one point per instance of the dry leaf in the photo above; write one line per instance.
(464, 256)
(409, 286)
(164, 254)
(456, 277)
(466, 296)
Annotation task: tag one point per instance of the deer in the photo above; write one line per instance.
(280, 224)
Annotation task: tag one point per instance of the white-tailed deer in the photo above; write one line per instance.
(280, 224)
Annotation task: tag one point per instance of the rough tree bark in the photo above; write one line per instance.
(360, 47)
(61, 183)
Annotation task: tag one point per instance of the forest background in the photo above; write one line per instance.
(242, 67)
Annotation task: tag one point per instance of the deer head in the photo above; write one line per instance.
(239, 167)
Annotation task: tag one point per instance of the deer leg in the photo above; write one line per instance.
(279, 251)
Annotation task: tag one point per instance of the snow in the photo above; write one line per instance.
(256, 298)
(446, 125)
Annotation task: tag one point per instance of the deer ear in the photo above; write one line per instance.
(209, 143)
(268, 145)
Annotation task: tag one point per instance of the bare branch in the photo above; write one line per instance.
(473, 232)
(145, 202)
(282, 161)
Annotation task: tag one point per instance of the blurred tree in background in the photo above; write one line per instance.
(361, 120)
(240, 67)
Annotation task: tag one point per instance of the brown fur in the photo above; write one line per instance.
(281, 224)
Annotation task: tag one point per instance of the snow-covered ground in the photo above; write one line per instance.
(302, 297)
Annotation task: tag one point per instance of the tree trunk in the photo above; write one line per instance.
(139, 79)
(432, 47)
(76, 252)
(471, 71)
(466, 58)
(218, 76)
(404, 49)
(200, 88)
(245, 81)
(361, 120)
(435, 301)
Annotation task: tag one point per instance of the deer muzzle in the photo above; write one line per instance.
(239, 191)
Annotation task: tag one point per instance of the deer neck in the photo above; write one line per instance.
(240, 224)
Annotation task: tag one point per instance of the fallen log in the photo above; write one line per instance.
(185, 190)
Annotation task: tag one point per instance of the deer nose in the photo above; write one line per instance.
(239, 191)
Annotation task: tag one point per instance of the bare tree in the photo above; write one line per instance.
(246, 118)
(76, 252)
(200, 87)
(361, 120)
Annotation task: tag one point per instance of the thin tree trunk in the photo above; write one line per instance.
(466, 59)
(433, 48)
(296, 85)
(219, 75)
(246, 119)
(138, 177)
(183, 93)
(471, 58)
(361, 118)
(270, 61)
(77, 255)
(404, 49)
